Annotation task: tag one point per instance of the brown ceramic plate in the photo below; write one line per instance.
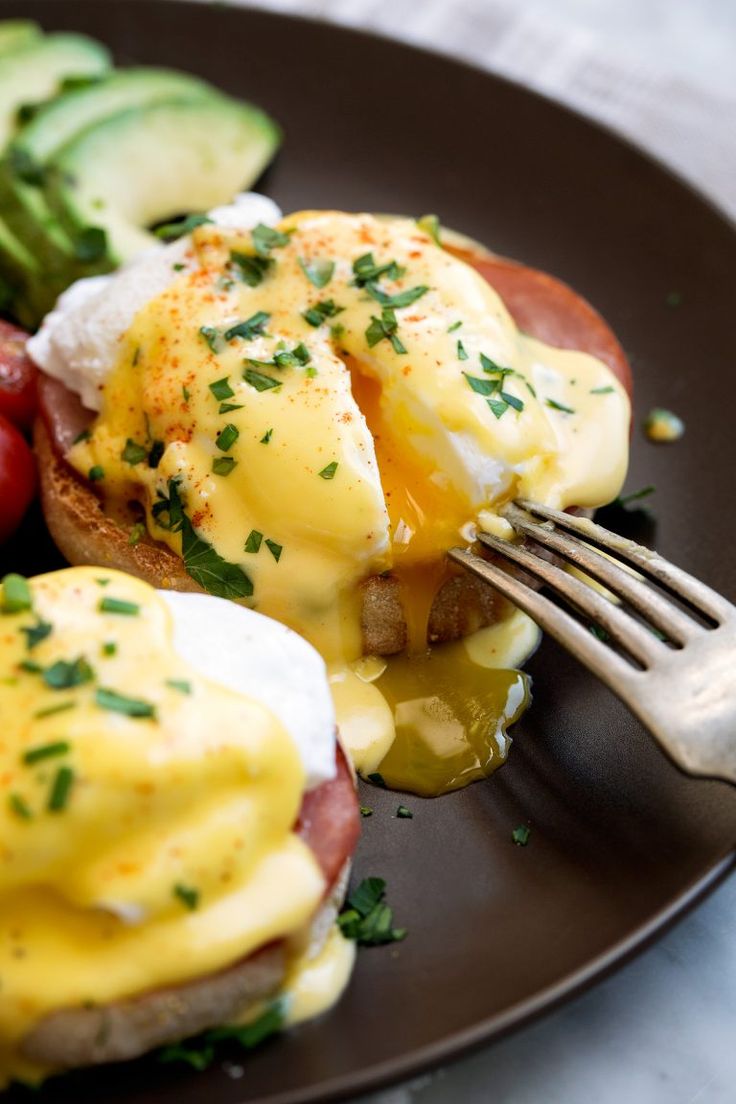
(621, 842)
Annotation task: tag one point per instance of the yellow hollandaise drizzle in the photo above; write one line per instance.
(146, 812)
(340, 398)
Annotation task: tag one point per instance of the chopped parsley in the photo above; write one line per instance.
(454, 326)
(481, 386)
(95, 473)
(253, 543)
(188, 896)
(251, 270)
(601, 390)
(206, 566)
(492, 368)
(119, 703)
(60, 789)
(520, 835)
(328, 472)
(266, 437)
(64, 674)
(227, 437)
(133, 453)
(19, 806)
(287, 358)
(36, 633)
(46, 751)
(430, 224)
(250, 328)
(365, 269)
(265, 238)
(221, 389)
(461, 353)
(260, 380)
(118, 605)
(377, 779)
(137, 533)
(559, 406)
(275, 549)
(181, 685)
(226, 408)
(319, 272)
(109, 648)
(368, 919)
(170, 231)
(16, 594)
(223, 465)
(401, 299)
(384, 327)
(320, 312)
(200, 1052)
(365, 811)
(404, 813)
(52, 710)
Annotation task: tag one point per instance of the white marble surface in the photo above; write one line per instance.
(663, 1029)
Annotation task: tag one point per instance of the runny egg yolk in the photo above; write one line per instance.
(344, 401)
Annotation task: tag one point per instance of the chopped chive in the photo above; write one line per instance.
(365, 811)
(221, 388)
(430, 224)
(253, 542)
(227, 437)
(60, 789)
(109, 648)
(520, 835)
(50, 710)
(103, 582)
(328, 472)
(275, 549)
(385, 327)
(320, 312)
(498, 407)
(512, 400)
(404, 813)
(30, 666)
(19, 806)
(531, 389)
(266, 437)
(188, 896)
(461, 353)
(559, 406)
(319, 272)
(454, 326)
(171, 231)
(377, 779)
(181, 685)
(118, 605)
(481, 386)
(492, 368)
(45, 751)
(401, 299)
(95, 473)
(601, 390)
(16, 593)
(119, 703)
(365, 269)
(223, 465)
(211, 337)
(133, 453)
(185, 393)
(225, 408)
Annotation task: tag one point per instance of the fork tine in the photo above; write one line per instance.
(675, 624)
(620, 626)
(651, 564)
(602, 661)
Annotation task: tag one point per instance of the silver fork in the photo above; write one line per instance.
(682, 687)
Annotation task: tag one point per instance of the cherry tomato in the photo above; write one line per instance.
(17, 477)
(18, 376)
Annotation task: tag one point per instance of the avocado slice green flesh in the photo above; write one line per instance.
(150, 164)
(17, 32)
(23, 204)
(33, 72)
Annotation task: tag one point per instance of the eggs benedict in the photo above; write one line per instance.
(176, 820)
(307, 413)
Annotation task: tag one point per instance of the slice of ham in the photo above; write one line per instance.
(329, 821)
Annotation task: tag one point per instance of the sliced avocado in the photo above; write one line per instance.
(33, 72)
(17, 32)
(152, 163)
(25, 289)
(23, 204)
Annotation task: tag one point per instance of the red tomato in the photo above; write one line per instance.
(18, 376)
(17, 477)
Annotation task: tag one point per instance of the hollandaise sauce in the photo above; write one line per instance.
(146, 812)
(310, 405)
